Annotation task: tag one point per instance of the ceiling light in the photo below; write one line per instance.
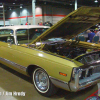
(13, 3)
(21, 7)
(44, 2)
(96, 1)
(1, 6)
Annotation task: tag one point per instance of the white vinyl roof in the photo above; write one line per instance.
(23, 27)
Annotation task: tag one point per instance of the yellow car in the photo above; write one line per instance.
(50, 57)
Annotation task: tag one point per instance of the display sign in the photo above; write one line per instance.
(94, 96)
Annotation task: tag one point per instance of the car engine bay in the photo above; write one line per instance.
(66, 49)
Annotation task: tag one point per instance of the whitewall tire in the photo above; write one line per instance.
(42, 82)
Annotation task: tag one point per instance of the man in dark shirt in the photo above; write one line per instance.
(90, 35)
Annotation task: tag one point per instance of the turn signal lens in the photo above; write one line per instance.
(62, 74)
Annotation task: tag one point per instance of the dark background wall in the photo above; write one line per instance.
(43, 13)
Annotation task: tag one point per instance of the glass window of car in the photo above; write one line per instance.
(6, 35)
(28, 35)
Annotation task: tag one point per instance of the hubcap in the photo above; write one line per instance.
(41, 80)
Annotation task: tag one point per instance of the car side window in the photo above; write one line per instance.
(6, 35)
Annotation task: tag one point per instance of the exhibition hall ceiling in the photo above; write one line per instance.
(13, 4)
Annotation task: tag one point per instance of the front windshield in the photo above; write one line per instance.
(25, 36)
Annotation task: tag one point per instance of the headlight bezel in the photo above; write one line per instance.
(82, 73)
(76, 71)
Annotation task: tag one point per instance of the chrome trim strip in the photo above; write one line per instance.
(13, 64)
(58, 83)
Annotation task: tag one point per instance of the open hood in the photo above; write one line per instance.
(73, 24)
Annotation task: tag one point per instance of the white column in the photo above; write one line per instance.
(3, 15)
(33, 11)
(75, 4)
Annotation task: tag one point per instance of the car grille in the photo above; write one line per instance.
(89, 75)
(96, 69)
(88, 72)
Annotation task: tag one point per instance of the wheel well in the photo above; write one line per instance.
(31, 68)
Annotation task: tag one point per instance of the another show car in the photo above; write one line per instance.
(51, 58)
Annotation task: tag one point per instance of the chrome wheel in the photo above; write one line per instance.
(41, 80)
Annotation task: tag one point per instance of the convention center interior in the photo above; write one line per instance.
(49, 49)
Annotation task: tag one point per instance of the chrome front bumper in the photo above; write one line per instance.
(77, 84)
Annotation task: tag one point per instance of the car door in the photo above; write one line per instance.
(8, 50)
(6, 39)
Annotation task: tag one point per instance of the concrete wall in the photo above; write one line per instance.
(43, 13)
(54, 14)
(2, 23)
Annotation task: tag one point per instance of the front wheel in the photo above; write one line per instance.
(42, 83)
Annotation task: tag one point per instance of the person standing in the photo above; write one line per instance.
(26, 23)
(41, 24)
(97, 33)
(90, 35)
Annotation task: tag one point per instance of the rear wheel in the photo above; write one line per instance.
(42, 82)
